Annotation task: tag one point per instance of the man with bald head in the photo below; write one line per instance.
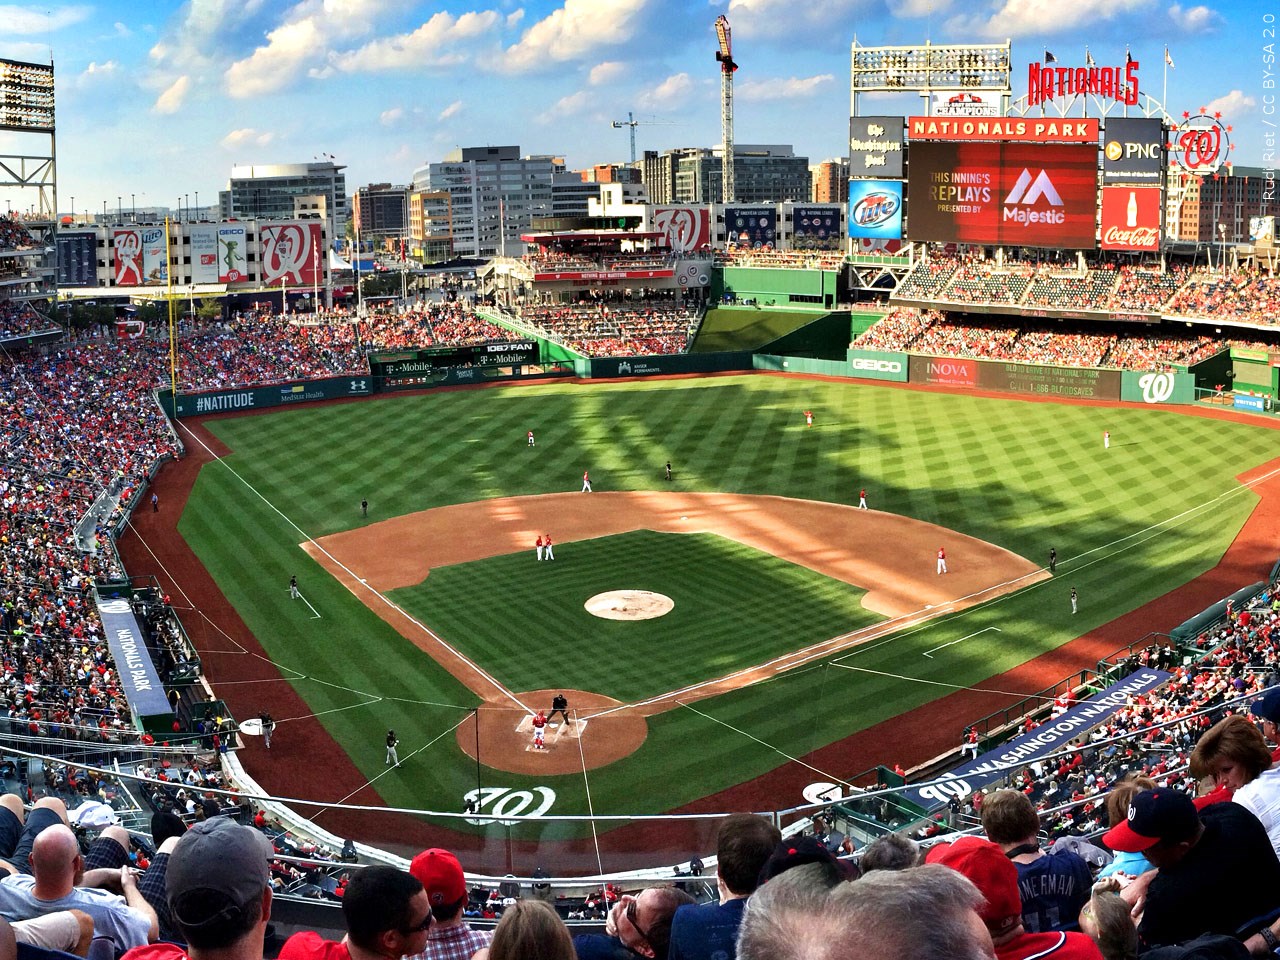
(58, 882)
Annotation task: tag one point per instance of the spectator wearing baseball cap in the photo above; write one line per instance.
(1215, 868)
(1267, 709)
(996, 878)
(219, 891)
(451, 936)
(387, 916)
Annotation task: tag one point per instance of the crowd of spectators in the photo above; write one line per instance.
(1243, 294)
(778, 259)
(622, 326)
(933, 332)
(20, 319)
(14, 235)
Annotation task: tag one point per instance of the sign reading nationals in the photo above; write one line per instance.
(1053, 735)
(1020, 129)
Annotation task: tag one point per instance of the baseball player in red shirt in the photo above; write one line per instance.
(586, 481)
(539, 729)
(538, 545)
(546, 548)
(942, 560)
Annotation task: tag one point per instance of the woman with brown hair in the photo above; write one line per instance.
(529, 930)
(1232, 753)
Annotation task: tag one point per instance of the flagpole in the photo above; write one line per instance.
(1164, 90)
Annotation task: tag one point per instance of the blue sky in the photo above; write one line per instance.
(158, 100)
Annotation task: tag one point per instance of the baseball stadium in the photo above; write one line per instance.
(690, 510)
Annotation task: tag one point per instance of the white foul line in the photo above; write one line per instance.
(929, 653)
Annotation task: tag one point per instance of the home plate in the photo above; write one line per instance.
(684, 518)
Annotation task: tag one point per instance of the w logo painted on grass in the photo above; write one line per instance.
(1156, 387)
(502, 801)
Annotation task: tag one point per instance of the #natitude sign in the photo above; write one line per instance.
(1011, 194)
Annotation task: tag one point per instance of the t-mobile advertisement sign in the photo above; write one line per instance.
(1131, 218)
(1010, 194)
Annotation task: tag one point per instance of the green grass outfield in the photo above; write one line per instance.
(1129, 524)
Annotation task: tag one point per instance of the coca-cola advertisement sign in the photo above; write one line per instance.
(1131, 218)
(683, 228)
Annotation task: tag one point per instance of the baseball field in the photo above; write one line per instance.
(791, 621)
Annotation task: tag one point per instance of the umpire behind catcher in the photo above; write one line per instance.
(559, 705)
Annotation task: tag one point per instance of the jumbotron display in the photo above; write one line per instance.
(1007, 194)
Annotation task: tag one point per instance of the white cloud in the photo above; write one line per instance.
(1231, 106)
(766, 18)
(449, 111)
(914, 9)
(121, 29)
(247, 136)
(174, 96)
(434, 44)
(606, 72)
(782, 89)
(514, 18)
(576, 30)
(23, 20)
(1022, 18)
(1198, 19)
(389, 117)
(274, 66)
(675, 87)
(106, 68)
(570, 106)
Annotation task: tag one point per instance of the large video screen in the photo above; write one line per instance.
(1007, 194)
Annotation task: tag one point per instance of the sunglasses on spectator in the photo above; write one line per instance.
(418, 928)
(631, 911)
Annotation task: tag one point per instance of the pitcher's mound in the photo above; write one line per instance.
(629, 605)
(595, 741)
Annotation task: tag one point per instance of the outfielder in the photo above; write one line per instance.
(393, 759)
(586, 481)
(546, 547)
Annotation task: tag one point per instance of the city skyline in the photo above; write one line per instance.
(156, 104)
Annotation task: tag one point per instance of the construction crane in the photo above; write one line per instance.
(724, 56)
(632, 122)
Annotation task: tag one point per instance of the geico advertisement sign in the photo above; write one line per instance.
(879, 366)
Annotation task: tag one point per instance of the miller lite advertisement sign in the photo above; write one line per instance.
(1131, 218)
(875, 209)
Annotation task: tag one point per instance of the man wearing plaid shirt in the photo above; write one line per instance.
(450, 937)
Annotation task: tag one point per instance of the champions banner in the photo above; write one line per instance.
(992, 768)
(138, 678)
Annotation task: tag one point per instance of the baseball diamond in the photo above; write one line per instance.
(1009, 476)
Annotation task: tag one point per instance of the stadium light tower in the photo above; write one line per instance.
(724, 56)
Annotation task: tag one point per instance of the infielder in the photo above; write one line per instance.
(586, 481)
(942, 560)
(862, 499)
(538, 545)
(546, 547)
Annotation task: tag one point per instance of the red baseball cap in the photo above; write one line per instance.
(992, 873)
(440, 874)
(1154, 815)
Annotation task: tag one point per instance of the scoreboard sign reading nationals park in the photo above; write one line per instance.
(1007, 129)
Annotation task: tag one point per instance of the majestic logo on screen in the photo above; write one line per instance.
(1156, 387)
(875, 209)
(1026, 193)
(1201, 143)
